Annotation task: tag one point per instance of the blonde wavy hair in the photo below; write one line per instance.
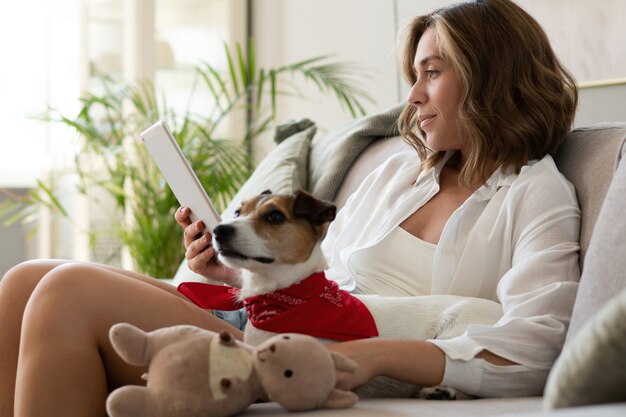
(518, 100)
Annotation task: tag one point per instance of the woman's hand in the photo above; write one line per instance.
(200, 254)
(413, 361)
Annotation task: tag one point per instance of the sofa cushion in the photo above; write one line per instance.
(605, 410)
(368, 161)
(412, 407)
(592, 366)
(587, 159)
(603, 274)
(284, 169)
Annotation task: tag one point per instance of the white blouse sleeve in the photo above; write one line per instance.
(537, 295)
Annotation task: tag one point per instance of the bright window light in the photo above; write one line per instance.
(39, 44)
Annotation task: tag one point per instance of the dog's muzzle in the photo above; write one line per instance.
(223, 234)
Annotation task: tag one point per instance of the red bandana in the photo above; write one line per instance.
(314, 306)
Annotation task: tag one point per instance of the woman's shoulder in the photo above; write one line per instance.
(400, 163)
(541, 179)
(407, 157)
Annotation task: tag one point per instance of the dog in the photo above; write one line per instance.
(274, 241)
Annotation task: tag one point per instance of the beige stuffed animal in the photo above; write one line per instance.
(198, 373)
(192, 373)
(299, 373)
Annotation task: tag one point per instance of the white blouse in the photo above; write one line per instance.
(515, 241)
(399, 265)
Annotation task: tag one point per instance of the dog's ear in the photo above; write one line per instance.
(316, 211)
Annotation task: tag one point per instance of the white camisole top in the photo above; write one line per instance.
(399, 265)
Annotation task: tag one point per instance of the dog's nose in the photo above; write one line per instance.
(223, 232)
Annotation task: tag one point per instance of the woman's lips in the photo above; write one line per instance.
(426, 120)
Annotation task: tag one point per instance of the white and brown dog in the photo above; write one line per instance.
(274, 240)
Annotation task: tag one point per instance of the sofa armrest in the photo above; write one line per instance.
(603, 275)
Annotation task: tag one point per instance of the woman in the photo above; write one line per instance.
(485, 207)
(487, 212)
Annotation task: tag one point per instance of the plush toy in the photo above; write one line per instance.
(191, 372)
(198, 373)
(299, 373)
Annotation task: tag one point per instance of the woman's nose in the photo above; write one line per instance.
(416, 95)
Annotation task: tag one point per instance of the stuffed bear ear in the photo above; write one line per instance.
(340, 399)
(343, 363)
(130, 343)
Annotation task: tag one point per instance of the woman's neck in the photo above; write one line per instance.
(455, 164)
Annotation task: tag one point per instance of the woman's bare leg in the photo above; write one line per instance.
(68, 317)
(15, 290)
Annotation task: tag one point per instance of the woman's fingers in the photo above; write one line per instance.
(201, 262)
(182, 216)
(200, 255)
(193, 232)
(197, 246)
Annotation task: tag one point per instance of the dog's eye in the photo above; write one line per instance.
(288, 373)
(275, 217)
(237, 213)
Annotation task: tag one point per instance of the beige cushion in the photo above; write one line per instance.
(603, 274)
(377, 153)
(283, 170)
(587, 159)
(592, 367)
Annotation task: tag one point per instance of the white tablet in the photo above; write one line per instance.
(179, 175)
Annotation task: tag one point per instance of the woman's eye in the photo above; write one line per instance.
(432, 73)
(275, 217)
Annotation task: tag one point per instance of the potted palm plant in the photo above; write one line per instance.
(110, 159)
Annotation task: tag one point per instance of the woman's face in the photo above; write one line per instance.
(436, 94)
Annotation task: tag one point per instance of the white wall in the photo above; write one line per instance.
(601, 104)
(286, 31)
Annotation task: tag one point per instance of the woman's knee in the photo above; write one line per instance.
(20, 281)
(58, 299)
(63, 281)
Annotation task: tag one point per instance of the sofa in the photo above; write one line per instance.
(589, 378)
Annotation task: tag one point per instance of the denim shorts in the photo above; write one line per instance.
(235, 318)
